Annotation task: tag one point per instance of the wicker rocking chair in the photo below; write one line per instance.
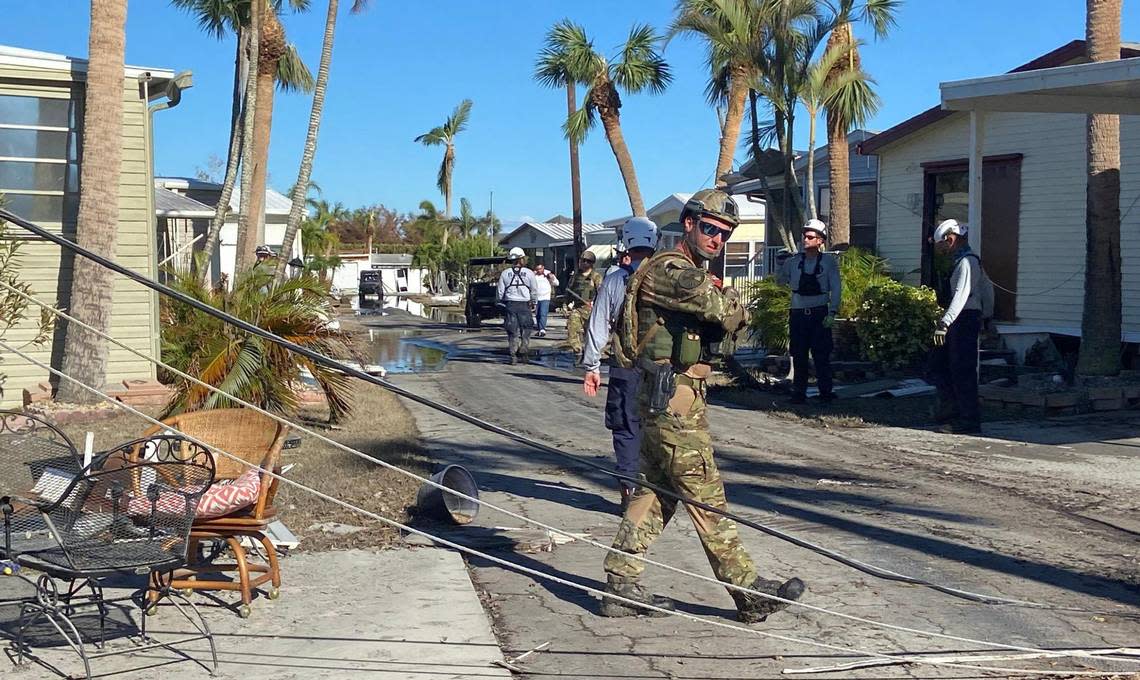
(258, 441)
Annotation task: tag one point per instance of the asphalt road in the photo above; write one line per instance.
(1036, 511)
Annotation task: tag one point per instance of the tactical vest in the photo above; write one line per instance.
(585, 286)
(646, 332)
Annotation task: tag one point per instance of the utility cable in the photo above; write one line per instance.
(873, 570)
(487, 504)
(904, 658)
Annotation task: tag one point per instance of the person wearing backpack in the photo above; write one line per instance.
(954, 359)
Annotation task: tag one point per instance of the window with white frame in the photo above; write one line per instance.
(742, 257)
(39, 156)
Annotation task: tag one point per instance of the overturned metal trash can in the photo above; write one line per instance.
(435, 502)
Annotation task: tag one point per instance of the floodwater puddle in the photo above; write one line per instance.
(403, 351)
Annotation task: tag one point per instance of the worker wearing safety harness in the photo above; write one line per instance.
(816, 291)
(516, 292)
(638, 241)
(954, 360)
(581, 289)
(673, 322)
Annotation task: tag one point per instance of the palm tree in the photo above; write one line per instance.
(552, 70)
(300, 187)
(853, 104)
(467, 220)
(444, 135)
(84, 352)
(1100, 324)
(219, 18)
(638, 67)
(735, 32)
(821, 88)
(277, 65)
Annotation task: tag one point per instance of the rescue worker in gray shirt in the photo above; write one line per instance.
(623, 419)
(816, 291)
(953, 367)
(517, 290)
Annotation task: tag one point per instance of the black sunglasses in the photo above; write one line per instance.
(709, 229)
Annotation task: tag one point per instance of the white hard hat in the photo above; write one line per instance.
(516, 253)
(948, 227)
(817, 226)
(639, 232)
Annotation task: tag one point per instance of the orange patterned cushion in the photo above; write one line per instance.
(229, 495)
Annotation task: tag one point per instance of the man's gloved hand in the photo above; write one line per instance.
(940, 334)
(591, 383)
(829, 321)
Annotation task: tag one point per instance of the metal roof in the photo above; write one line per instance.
(1103, 87)
(169, 204)
(18, 56)
(275, 203)
(555, 230)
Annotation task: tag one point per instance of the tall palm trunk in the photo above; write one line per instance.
(609, 110)
(575, 174)
(301, 186)
(1100, 325)
(809, 179)
(733, 118)
(838, 159)
(92, 286)
(449, 162)
(233, 157)
(270, 48)
(244, 257)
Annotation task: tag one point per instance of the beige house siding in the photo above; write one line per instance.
(1052, 211)
(134, 318)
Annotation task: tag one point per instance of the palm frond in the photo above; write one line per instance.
(640, 66)
(457, 121)
(881, 15)
(359, 6)
(854, 99)
(443, 176)
(292, 73)
(433, 137)
(214, 17)
(578, 126)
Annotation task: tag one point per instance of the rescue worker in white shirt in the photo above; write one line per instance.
(546, 283)
(953, 364)
(516, 293)
(816, 292)
(638, 241)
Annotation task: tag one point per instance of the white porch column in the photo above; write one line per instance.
(977, 144)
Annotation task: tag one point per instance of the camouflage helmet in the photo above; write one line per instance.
(712, 202)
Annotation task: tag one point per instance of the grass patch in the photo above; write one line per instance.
(379, 426)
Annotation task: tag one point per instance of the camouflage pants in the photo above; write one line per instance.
(676, 453)
(576, 328)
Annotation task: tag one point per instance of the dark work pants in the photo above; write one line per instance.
(624, 421)
(807, 334)
(519, 323)
(953, 367)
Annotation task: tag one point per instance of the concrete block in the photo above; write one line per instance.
(1100, 393)
(36, 395)
(1108, 404)
(1034, 399)
(1062, 399)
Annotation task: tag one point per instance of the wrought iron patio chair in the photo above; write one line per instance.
(36, 460)
(128, 513)
(257, 440)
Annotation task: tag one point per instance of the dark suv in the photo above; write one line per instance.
(371, 283)
(482, 295)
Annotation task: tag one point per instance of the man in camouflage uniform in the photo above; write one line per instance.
(674, 317)
(581, 289)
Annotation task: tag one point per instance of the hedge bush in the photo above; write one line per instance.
(896, 323)
(768, 313)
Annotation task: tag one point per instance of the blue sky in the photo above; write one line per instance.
(400, 68)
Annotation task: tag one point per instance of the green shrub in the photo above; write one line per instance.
(859, 270)
(896, 323)
(768, 313)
